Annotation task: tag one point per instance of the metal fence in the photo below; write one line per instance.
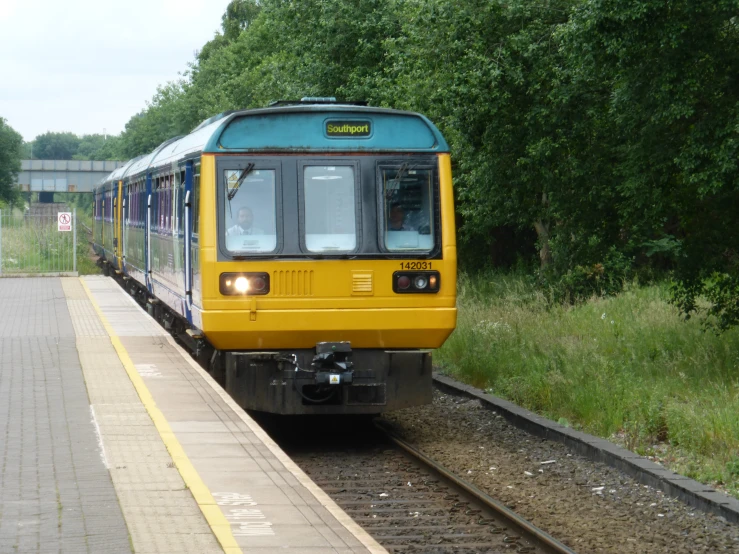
(38, 242)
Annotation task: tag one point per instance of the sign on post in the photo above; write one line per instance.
(64, 221)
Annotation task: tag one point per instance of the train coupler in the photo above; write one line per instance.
(333, 356)
(332, 364)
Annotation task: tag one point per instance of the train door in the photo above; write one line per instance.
(116, 192)
(147, 234)
(187, 243)
(124, 216)
(102, 219)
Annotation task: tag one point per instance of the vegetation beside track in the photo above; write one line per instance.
(36, 246)
(625, 367)
(85, 255)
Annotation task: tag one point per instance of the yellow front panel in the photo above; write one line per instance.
(326, 300)
(364, 328)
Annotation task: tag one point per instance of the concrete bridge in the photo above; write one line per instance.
(50, 176)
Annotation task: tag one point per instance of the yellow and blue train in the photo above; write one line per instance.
(305, 252)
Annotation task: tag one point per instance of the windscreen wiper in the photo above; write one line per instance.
(248, 169)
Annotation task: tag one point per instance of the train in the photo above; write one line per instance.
(304, 252)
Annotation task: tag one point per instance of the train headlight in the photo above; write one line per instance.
(241, 284)
(244, 284)
(416, 281)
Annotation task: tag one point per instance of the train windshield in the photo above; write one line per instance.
(330, 208)
(408, 194)
(250, 210)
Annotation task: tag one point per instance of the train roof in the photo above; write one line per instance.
(296, 127)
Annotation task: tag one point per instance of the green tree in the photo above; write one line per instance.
(668, 71)
(89, 147)
(98, 147)
(490, 75)
(55, 146)
(164, 118)
(11, 144)
(238, 16)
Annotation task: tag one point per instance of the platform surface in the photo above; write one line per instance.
(56, 495)
(112, 439)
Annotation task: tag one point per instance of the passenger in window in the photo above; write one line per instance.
(244, 225)
(397, 218)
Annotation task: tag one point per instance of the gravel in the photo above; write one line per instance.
(405, 508)
(587, 505)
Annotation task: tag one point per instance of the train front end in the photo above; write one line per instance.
(327, 258)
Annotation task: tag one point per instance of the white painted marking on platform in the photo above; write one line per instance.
(100, 437)
(242, 518)
(147, 370)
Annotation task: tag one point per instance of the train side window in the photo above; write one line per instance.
(170, 203)
(180, 203)
(165, 203)
(158, 203)
(195, 211)
(163, 196)
(154, 200)
(329, 205)
(165, 214)
(142, 204)
(161, 204)
(137, 204)
(154, 196)
(168, 217)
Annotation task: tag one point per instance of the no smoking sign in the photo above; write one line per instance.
(64, 221)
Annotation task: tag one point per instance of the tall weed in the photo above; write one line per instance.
(624, 366)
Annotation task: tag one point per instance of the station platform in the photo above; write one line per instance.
(113, 440)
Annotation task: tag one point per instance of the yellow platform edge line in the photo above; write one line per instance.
(218, 523)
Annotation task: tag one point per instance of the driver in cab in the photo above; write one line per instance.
(244, 224)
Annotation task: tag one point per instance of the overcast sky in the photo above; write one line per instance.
(88, 65)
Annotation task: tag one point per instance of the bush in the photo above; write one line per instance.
(605, 276)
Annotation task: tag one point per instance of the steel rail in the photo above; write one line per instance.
(532, 532)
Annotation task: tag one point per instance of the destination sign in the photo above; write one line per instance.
(343, 129)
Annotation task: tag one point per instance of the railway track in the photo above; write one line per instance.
(404, 499)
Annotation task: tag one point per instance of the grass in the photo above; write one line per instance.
(627, 368)
(85, 255)
(34, 245)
